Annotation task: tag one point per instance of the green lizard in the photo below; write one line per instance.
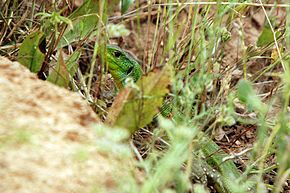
(122, 66)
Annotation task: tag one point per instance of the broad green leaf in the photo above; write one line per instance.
(92, 6)
(125, 5)
(59, 74)
(85, 20)
(135, 108)
(32, 51)
(82, 28)
(89, 6)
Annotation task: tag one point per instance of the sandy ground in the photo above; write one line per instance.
(49, 139)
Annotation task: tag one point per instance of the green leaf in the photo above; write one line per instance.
(72, 63)
(245, 91)
(135, 108)
(89, 6)
(60, 74)
(125, 5)
(85, 20)
(266, 36)
(32, 51)
(247, 95)
(83, 25)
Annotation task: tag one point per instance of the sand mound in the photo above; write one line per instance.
(50, 139)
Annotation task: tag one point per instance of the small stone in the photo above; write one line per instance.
(238, 142)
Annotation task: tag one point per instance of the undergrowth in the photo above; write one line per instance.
(224, 84)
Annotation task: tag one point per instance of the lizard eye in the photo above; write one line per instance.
(130, 70)
(117, 54)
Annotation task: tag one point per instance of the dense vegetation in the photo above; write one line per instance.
(212, 70)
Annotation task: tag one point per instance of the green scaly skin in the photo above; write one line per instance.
(121, 65)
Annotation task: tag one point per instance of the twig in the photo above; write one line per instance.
(236, 155)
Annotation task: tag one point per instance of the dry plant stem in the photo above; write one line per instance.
(265, 153)
(204, 3)
(274, 35)
(83, 86)
(24, 16)
(224, 3)
(283, 179)
(129, 14)
(6, 25)
(32, 13)
(235, 155)
(96, 47)
(15, 46)
(244, 49)
(146, 47)
(162, 29)
(193, 25)
(159, 138)
(53, 46)
(155, 41)
(136, 152)
(266, 69)
(189, 161)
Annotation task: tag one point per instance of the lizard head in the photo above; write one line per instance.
(122, 65)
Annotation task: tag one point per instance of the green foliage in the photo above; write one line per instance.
(125, 4)
(64, 69)
(72, 63)
(198, 188)
(135, 107)
(32, 51)
(266, 36)
(167, 168)
(247, 95)
(113, 146)
(52, 21)
(59, 75)
(85, 20)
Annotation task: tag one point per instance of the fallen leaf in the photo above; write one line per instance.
(135, 108)
(59, 74)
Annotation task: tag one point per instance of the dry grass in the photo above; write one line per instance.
(212, 46)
